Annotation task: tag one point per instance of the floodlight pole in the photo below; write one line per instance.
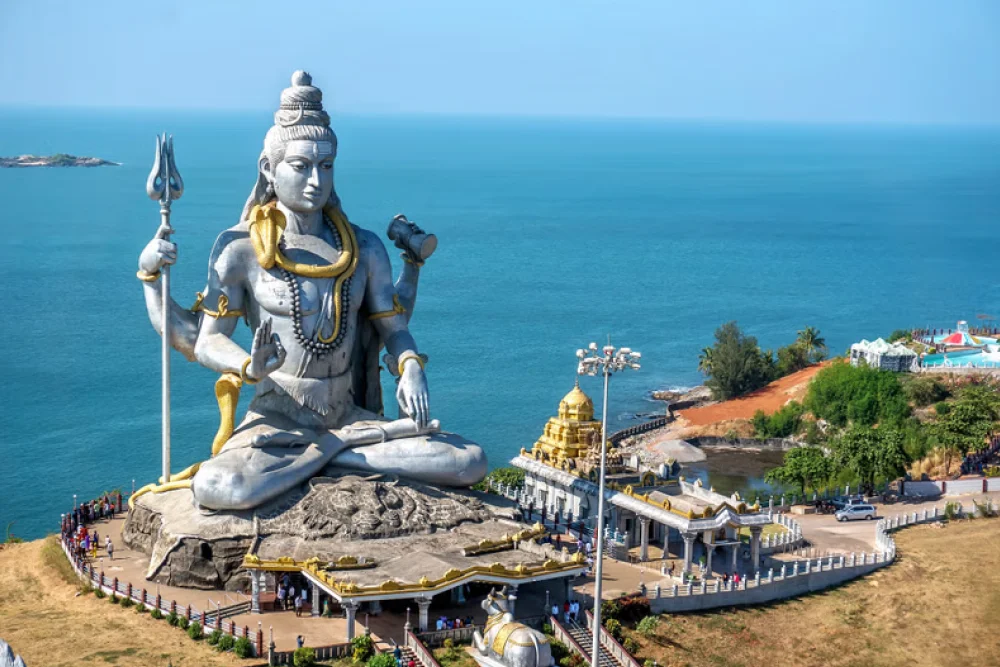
(609, 361)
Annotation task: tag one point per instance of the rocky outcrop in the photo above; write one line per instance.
(193, 548)
(57, 160)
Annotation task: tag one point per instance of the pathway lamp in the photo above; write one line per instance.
(604, 362)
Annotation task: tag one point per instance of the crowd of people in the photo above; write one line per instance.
(445, 623)
(289, 595)
(83, 540)
(570, 611)
(973, 464)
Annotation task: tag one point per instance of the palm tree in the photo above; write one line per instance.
(813, 343)
(705, 360)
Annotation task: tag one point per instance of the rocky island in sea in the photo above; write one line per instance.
(57, 160)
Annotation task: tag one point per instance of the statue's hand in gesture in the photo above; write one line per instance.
(412, 393)
(266, 354)
(158, 252)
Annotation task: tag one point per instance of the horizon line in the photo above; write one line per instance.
(981, 124)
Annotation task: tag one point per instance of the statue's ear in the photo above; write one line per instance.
(264, 166)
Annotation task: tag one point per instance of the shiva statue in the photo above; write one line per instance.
(506, 643)
(318, 294)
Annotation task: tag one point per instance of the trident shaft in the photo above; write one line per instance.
(165, 185)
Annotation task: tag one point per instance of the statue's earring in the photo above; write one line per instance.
(270, 191)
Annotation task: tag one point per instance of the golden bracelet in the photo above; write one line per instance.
(397, 309)
(406, 357)
(243, 372)
(147, 277)
(415, 262)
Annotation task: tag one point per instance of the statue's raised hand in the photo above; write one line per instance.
(412, 393)
(266, 354)
(158, 252)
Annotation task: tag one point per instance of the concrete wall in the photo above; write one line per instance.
(779, 589)
(746, 443)
(952, 487)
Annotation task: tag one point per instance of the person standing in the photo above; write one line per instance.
(298, 605)
(109, 547)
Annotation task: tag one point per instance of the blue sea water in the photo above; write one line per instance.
(553, 233)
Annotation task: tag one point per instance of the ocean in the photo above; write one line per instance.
(552, 234)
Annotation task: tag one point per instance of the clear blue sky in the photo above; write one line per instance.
(910, 61)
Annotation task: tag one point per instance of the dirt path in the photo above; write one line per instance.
(769, 399)
(44, 619)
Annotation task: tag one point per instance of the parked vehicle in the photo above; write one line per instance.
(852, 512)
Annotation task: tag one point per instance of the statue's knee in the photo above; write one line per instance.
(218, 488)
(472, 465)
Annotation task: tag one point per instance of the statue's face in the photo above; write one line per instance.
(303, 181)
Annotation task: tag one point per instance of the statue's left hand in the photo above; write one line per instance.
(412, 393)
(266, 353)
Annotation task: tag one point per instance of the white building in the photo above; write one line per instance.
(886, 356)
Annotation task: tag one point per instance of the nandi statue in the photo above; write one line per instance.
(505, 643)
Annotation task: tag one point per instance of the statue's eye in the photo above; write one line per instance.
(297, 166)
(327, 166)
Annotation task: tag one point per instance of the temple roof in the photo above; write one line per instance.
(576, 405)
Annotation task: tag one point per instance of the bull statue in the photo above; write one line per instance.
(506, 643)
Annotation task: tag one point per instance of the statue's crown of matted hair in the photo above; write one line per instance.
(301, 103)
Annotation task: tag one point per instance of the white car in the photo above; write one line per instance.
(852, 512)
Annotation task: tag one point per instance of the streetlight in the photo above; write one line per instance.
(605, 362)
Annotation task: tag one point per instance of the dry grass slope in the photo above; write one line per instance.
(47, 621)
(937, 606)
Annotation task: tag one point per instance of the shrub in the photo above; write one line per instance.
(98, 593)
(304, 657)
(614, 628)
(114, 598)
(950, 510)
(559, 650)
(364, 648)
(782, 424)
(630, 645)
(633, 608)
(572, 660)
(243, 648)
(648, 662)
(126, 602)
(195, 632)
(225, 643)
(213, 639)
(942, 408)
(647, 626)
(841, 393)
(925, 390)
(173, 619)
(141, 608)
(156, 613)
(385, 660)
(547, 629)
(183, 623)
(505, 475)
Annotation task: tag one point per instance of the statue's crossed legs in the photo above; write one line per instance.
(268, 455)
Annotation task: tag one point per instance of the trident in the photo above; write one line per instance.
(165, 184)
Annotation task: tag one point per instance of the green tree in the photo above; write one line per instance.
(871, 453)
(900, 334)
(843, 394)
(813, 344)
(801, 467)
(705, 361)
(737, 364)
(792, 358)
(505, 475)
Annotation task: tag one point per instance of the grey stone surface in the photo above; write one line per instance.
(336, 514)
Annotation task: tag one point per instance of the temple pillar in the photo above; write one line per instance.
(512, 599)
(709, 549)
(736, 555)
(423, 605)
(688, 550)
(351, 608)
(254, 593)
(568, 584)
(315, 600)
(643, 538)
(755, 533)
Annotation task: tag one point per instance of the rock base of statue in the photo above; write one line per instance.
(343, 513)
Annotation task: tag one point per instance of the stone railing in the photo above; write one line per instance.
(422, 653)
(611, 645)
(435, 638)
(562, 635)
(795, 577)
(331, 652)
(782, 542)
(644, 427)
(209, 619)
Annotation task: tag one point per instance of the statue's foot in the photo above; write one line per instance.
(444, 459)
(247, 477)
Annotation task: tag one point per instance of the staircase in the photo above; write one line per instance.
(583, 637)
(408, 654)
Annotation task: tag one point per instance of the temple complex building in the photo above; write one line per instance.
(643, 506)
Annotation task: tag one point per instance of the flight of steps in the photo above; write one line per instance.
(586, 640)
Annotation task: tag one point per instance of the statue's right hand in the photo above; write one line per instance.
(159, 252)
(267, 354)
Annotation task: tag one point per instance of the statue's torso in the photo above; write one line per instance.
(269, 295)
